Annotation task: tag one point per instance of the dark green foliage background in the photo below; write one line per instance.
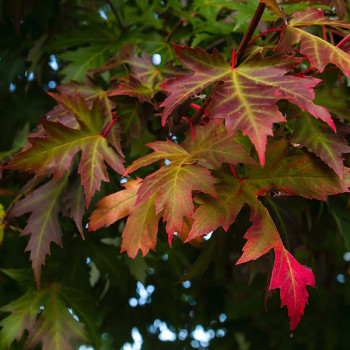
(318, 234)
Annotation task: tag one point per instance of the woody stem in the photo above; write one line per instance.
(248, 34)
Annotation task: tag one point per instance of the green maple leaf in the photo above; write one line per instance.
(56, 327)
(83, 59)
(45, 316)
(55, 152)
(23, 315)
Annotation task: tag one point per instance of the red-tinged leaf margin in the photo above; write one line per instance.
(310, 45)
(292, 279)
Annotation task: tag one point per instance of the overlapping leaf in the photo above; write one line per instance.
(168, 191)
(143, 80)
(140, 232)
(319, 52)
(302, 175)
(55, 152)
(115, 206)
(247, 95)
(212, 145)
(272, 4)
(45, 316)
(175, 183)
(313, 16)
(326, 144)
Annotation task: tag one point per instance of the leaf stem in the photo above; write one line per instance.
(233, 58)
(233, 171)
(198, 107)
(264, 33)
(343, 41)
(191, 126)
(109, 127)
(248, 34)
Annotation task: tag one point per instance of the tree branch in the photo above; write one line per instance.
(248, 34)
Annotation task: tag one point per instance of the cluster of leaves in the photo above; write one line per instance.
(231, 121)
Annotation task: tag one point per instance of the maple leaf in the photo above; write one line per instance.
(55, 152)
(302, 175)
(140, 232)
(287, 273)
(313, 16)
(115, 206)
(133, 87)
(212, 146)
(24, 312)
(175, 183)
(43, 224)
(54, 327)
(272, 4)
(44, 204)
(141, 227)
(65, 116)
(143, 80)
(247, 94)
(311, 45)
(292, 279)
(326, 144)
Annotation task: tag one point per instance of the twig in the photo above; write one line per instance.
(198, 115)
(173, 30)
(248, 34)
(116, 14)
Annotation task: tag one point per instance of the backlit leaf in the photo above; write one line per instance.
(45, 316)
(55, 152)
(292, 279)
(312, 46)
(246, 95)
(115, 206)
